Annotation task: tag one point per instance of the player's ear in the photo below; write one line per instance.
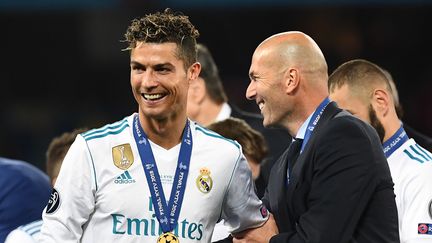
(194, 71)
(381, 101)
(291, 80)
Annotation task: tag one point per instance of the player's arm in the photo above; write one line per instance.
(242, 209)
(72, 200)
(416, 207)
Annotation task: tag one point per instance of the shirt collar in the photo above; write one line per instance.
(224, 113)
(302, 130)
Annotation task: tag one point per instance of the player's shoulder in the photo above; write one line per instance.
(25, 233)
(108, 130)
(413, 154)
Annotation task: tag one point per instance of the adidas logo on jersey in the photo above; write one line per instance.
(124, 178)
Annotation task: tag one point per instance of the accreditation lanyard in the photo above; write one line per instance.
(394, 142)
(313, 122)
(167, 215)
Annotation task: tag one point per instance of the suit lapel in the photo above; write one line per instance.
(280, 189)
(330, 111)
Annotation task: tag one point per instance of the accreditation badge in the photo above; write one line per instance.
(204, 182)
(168, 237)
(122, 156)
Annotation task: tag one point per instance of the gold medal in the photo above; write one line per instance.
(168, 237)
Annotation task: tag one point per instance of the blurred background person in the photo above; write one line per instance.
(253, 145)
(57, 149)
(255, 150)
(208, 103)
(363, 89)
(24, 193)
(421, 139)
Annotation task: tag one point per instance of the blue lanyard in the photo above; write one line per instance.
(394, 142)
(314, 121)
(167, 215)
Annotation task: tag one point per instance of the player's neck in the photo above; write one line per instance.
(208, 113)
(303, 110)
(391, 125)
(166, 133)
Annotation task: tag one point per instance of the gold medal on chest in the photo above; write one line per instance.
(168, 237)
(204, 182)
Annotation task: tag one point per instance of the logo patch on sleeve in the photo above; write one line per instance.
(53, 202)
(264, 211)
(424, 229)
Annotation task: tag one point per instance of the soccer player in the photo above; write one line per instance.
(30, 232)
(24, 191)
(362, 88)
(154, 176)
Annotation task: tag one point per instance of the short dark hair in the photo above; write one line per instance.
(57, 150)
(165, 27)
(210, 74)
(358, 74)
(252, 141)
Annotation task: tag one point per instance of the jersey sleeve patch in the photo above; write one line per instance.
(53, 202)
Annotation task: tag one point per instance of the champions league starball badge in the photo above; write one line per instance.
(168, 237)
(204, 182)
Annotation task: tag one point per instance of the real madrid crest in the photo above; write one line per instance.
(204, 182)
(122, 156)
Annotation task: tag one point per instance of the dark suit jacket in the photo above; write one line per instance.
(340, 189)
(278, 139)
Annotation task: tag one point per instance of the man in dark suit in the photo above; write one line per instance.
(333, 184)
(208, 103)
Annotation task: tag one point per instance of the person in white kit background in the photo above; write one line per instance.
(362, 88)
(154, 176)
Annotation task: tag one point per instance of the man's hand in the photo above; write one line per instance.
(258, 235)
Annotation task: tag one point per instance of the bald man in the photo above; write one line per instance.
(333, 183)
(362, 88)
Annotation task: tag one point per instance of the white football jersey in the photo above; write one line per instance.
(102, 195)
(411, 170)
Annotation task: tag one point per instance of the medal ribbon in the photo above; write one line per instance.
(314, 121)
(167, 214)
(395, 141)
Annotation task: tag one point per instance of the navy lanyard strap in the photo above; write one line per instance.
(167, 214)
(314, 121)
(394, 142)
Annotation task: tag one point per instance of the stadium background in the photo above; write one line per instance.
(62, 66)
